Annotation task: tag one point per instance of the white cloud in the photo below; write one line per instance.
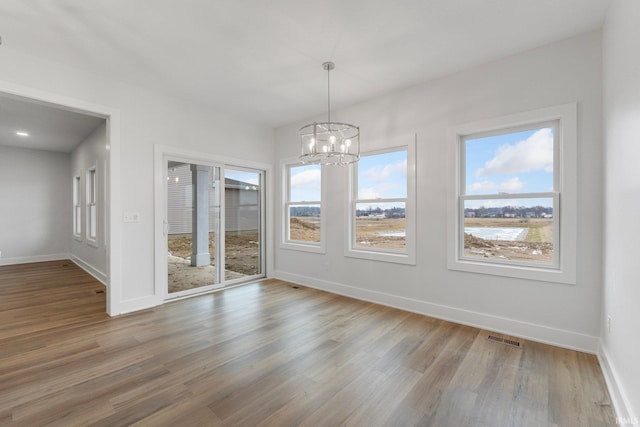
(380, 174)
(533, 153)
(509, 186)
(368, 193)
(306, 179)
(380, 191)
(482, 187)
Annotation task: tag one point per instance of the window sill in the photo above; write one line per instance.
(302, 247)
(396, 258)
(541, 274)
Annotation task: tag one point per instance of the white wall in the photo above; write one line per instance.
(145, 118)
(35, 205)
(568, 315)
(92, 152)
(621, 346)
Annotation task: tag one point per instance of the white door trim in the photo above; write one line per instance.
(113, 234)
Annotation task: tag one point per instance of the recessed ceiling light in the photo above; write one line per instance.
(21, 133)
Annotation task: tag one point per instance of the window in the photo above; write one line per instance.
(91, 205)
(303, 220)
(77, 207)
(513, 174)
(382, 207)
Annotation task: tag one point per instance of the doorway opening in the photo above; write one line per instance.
(44, 111)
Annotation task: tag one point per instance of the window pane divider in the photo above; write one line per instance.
(302, 203)
(509, 196)
(392, 200)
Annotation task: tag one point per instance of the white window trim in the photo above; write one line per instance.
(566, 170)
(409, 255)
(77, 205)
(285, 243)
(93, 241)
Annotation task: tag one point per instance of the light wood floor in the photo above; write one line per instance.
(269, 354)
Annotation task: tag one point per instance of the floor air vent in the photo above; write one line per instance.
(507, 341)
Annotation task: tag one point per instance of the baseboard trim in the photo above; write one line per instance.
(136, 304)
(530, 331)
(97, 274)
(619, 399)
(35, 258)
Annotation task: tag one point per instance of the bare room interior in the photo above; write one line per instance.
(339, 213)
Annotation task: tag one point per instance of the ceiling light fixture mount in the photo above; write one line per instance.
(329, 143)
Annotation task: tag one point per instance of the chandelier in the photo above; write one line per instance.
(329, 143)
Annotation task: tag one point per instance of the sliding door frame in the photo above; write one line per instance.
(164, 153)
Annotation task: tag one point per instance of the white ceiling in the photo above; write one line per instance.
(49, 128)
(261, 59)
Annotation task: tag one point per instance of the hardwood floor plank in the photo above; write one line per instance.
(337, 409)
(269, 354)
(427, 392)
(310, 399)
(384, 399)
(186, 412)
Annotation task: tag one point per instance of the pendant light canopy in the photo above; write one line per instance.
(329, 143)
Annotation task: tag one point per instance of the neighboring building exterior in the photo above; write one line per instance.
(242, 202)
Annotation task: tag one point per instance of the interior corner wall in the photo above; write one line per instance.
(92, 152)
(35, 205)
(621, 297)
(568, 315)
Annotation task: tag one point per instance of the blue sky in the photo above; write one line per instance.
(305, 183)
(379, 176)
(383, 176)
(520, 162)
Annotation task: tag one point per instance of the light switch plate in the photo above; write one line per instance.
(131, 217)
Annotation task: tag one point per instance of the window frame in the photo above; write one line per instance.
(77, 206)
(408, 255)
(92, 205)
(563, 267)
(285, 241)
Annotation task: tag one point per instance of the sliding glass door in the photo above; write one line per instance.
(243, 223)
(202, 201)
(193, 216)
